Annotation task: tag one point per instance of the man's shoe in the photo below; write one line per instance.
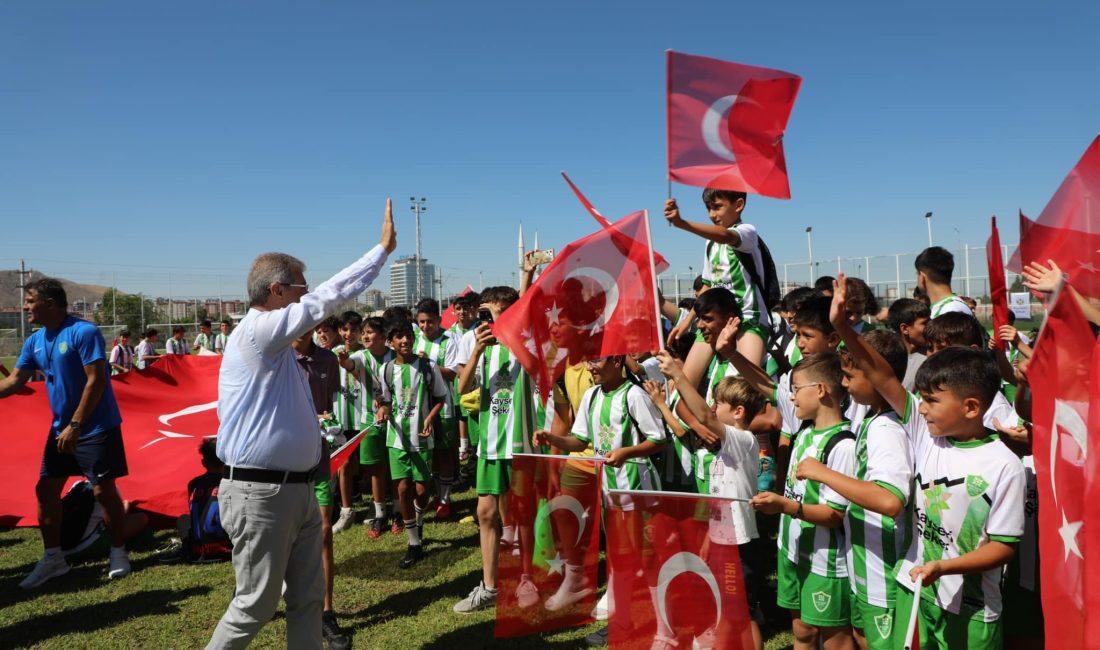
(334, 636)
(413, 555)
(48, 567)
(120, 564)
(443, 512)
(597, 638)
(479, 598)
(347, 518)
(375, 529)
(527, 594)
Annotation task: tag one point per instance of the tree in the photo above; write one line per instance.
(128, 311)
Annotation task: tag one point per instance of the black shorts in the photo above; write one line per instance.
(97, 458)
(751, 558)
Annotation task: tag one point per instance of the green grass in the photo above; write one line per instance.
(177, 606)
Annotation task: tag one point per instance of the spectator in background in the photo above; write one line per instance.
(176, 345)
(122, 355)
(146, 352)
(222, 337)
(205, 338)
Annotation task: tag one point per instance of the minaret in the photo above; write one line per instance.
(520, 247)
(537, 240)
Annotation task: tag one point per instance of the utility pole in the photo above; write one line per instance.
(114, 300)
(22, 299)
(418, 207)
(810, 250)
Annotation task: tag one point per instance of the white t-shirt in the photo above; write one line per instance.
(733, 474)
(949, 304)
(144, 349)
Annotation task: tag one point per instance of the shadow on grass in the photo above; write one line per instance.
(85, 572)
(480, 635)
(410, 603)
(90, 618)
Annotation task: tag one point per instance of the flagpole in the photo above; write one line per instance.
(912, 627)
(662, 493)
(653, 274)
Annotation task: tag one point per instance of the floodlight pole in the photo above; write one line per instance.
(418, 207)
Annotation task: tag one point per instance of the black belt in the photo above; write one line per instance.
(265, 475)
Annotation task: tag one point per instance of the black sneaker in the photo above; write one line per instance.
(597, 638)
(412, 556)
(334, 636)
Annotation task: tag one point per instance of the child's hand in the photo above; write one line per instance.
(1007, 333)
(656, 391)
(670, 366)
(837, 310)
(1015, 434)
(484, 337)
(342, 355)
(672, 212)
(382, 414)
(809, 469)
(542, 438)
(927, 574)
(727, 338)
(427, 432)
(615, 457)
(1041, 278)
(769, 503)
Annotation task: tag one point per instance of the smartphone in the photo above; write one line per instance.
(485, 316)
(542, 256)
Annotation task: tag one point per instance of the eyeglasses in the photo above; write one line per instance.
(797, 387)
(599, 360)
(291, 284)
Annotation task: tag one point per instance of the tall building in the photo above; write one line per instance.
(403, 281)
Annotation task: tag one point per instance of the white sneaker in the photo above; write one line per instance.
(661, 642)
(527, 594)
(347, 518)
(707, 639)
(599, 612)
(479, 598)
(48, 567)
(566, 597)
(120, 564)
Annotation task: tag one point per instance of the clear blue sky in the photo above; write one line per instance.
(139, 136)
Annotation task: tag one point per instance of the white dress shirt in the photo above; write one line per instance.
(264, 403)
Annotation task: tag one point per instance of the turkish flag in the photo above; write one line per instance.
(167, 409)
(675, 572)
(448, 317)
(1068, 230)
(659, 261)
(597, 298)
(726, 123)
(1060, 384)
(998, 294)
(548, 580)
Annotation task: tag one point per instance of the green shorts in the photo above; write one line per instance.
(877, 623)
(416, 465)
(323, 489)
(941, 630)
(756, 328)
(493, 476)
(820, 601)
(446, 433)
(372, 448)
(473, 429)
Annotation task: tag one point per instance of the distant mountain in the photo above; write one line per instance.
(9, 289)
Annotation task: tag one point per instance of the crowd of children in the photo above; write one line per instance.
(881, 438)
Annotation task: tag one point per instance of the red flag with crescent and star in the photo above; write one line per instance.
(547, 580)
(1059, 376)
(998, 293)
(675, 572)
(1068, 229)
(597, 298)
(726, 122)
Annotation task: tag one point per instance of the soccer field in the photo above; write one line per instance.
(177, 606)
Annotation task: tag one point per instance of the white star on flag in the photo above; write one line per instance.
(1069, 531)
(555, 565)
(553, 313)
(1088, 266)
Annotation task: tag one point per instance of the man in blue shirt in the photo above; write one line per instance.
(84, 438)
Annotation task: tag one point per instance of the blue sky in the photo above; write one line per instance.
(141, 138)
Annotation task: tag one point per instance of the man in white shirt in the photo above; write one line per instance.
(270, 441)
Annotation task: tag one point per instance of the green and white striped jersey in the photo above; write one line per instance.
(205, 341)
(622, 418)
(507, 418)
(434, 350)
(949, 304)
(410, 402)
(876, 543)
(966, 494)
(817, 548)
(364, 384)
(718, 370)
(678, 468)
(722, 268)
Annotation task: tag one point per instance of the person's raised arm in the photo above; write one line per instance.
(1047, 279)
(864, 357)
(754, 374)
(14, 381)
(674, 370)
(714, 233)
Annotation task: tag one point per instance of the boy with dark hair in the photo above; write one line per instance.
(813, 571)
(506, 418)
(122, 355)
(327, 333)
(824, 285)
(731, 244)
(465, 319)
(373, 457)
(176, 345)
(908, 317)
(222, 337)
(969, 508)
(436, 346)
(205, 338)
(352, 406)
(861, 302)
(934, 266)
(876, 524)
(953, 328)
(146, 351)
(413, 393)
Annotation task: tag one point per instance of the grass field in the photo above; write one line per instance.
(177, 606)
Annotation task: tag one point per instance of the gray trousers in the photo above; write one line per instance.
(276, 534)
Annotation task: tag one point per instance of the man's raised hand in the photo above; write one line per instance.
(389, 233)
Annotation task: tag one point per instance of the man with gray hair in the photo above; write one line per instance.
(270, 441)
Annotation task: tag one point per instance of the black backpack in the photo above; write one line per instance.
(769, 284)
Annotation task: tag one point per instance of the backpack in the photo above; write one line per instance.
(769, 284)
(776, 348)
(837, 438)
(206, 539)
(78, 531)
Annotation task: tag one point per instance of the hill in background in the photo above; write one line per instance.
(9, 289)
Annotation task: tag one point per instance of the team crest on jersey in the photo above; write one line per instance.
(821, 601)
(407, 394)
(976, 485)
(606, 437)
(884, 623)
(502, 382)
(63, 347)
